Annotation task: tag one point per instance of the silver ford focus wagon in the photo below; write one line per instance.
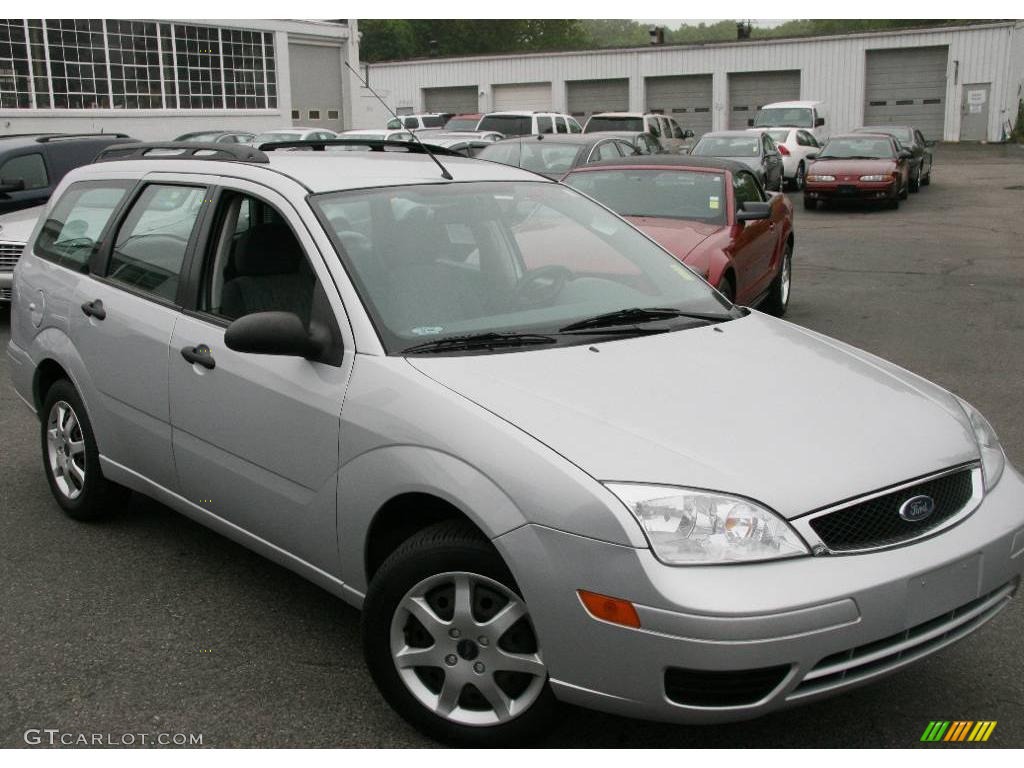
(510, 428)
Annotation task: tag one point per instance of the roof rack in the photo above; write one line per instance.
(59, 136)
(374, 145)
(182, 150)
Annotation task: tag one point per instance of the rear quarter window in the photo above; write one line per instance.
(74, 228)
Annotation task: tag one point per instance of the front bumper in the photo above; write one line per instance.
(6, 282)
(859, 190)
(819, 625)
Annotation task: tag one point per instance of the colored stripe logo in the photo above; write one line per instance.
(958, 730)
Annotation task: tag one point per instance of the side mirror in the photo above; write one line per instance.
(811, 156)
(819, 122)
(273, 333)
(754, 211)
(12, 186)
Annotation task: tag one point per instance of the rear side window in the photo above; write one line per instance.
(544, 125)
(574, 127)
(151, 244)
(71, 234)
(27, 168)
(560, 125)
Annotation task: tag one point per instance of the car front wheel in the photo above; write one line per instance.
(798, 180)
(915, 182)
(449, 641)
(778, 295)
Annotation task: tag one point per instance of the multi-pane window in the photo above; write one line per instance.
(96, 64)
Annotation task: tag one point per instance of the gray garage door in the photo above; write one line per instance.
(585, 97)
(520, 96)
(749, 91)
(316, 85)
(459, 100)
(687, 98)
(907, 86)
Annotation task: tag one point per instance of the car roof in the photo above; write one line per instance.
(522, 113)
(883, 128)
(784, 104)
(737, 132)
(325, 171)
(681, 162)
(579, 139)
(33, 139)
(859, 135)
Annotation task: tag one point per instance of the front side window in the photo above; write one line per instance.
(609, 150)
(258, 267)
(150, 247)
(71, 234)
(30, 169)
(677, 132)
(437, 261)
(560, 125)
(433, 121)
(394, 124)
(510, 125)
(746, 189)
(671, 194)
(544, 125)
(411, 123)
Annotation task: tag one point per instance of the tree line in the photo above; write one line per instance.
(391, 39)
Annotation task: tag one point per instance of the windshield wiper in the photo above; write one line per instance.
(640, 315)
(488, 340)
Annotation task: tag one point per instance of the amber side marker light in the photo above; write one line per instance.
(610, 609)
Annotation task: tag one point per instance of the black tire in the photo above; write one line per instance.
(727, 289)
(916, 181)
(449, 546)
(905, 191)
(798, 180)
(777, 300)
(927, 178)
(809, 204)
(95, 497)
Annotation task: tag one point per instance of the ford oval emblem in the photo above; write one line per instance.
(917, 508)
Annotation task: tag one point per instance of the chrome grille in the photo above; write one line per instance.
(866, 661)
(873, 521)
(9, 255)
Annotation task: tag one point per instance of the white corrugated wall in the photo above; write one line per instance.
(831, 70)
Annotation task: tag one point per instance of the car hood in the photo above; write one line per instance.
(676, 236)
(852, 167)
(756, 407)
(17, 226)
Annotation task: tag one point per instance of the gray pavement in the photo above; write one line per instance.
(150, 623)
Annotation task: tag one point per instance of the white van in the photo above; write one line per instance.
(809, 115)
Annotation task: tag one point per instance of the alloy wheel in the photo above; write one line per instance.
(800, 176)
(464, 647)
(65, 447)
(785, 278)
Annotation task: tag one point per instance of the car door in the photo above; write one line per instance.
(753, 242)
(122, 317)
(256, 436)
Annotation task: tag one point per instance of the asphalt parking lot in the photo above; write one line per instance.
(150, 623)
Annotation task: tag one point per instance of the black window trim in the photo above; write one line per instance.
(114, 227)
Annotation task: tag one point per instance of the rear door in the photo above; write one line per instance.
(256, 437)
(122, 317)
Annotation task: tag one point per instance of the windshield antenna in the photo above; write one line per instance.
(444, 171)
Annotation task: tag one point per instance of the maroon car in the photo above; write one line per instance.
(870, 167)
(711, 214)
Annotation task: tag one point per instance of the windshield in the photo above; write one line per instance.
(864, 148)
(510, 125)
(798, 117)
(434, 261)
(462, 124)
(262, 138)
(690, 195)
(537, 156)
(728, 146)
(614, 124)
(905, 135)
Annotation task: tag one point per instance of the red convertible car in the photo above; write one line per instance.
(711, 214)
(859, 166)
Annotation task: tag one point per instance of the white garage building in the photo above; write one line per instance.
(955, 83)
(156, 79)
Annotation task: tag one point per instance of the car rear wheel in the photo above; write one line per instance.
(449, 641)
(778, 295)
(798, 180)
(71, 459)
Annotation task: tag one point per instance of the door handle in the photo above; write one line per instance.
(200, 355)
(95, 309)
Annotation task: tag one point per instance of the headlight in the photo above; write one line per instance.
(816, 177)
(876, 177)
(992, 458)
(689, 527)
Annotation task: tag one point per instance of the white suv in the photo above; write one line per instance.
(672, 136)
(529, 123)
